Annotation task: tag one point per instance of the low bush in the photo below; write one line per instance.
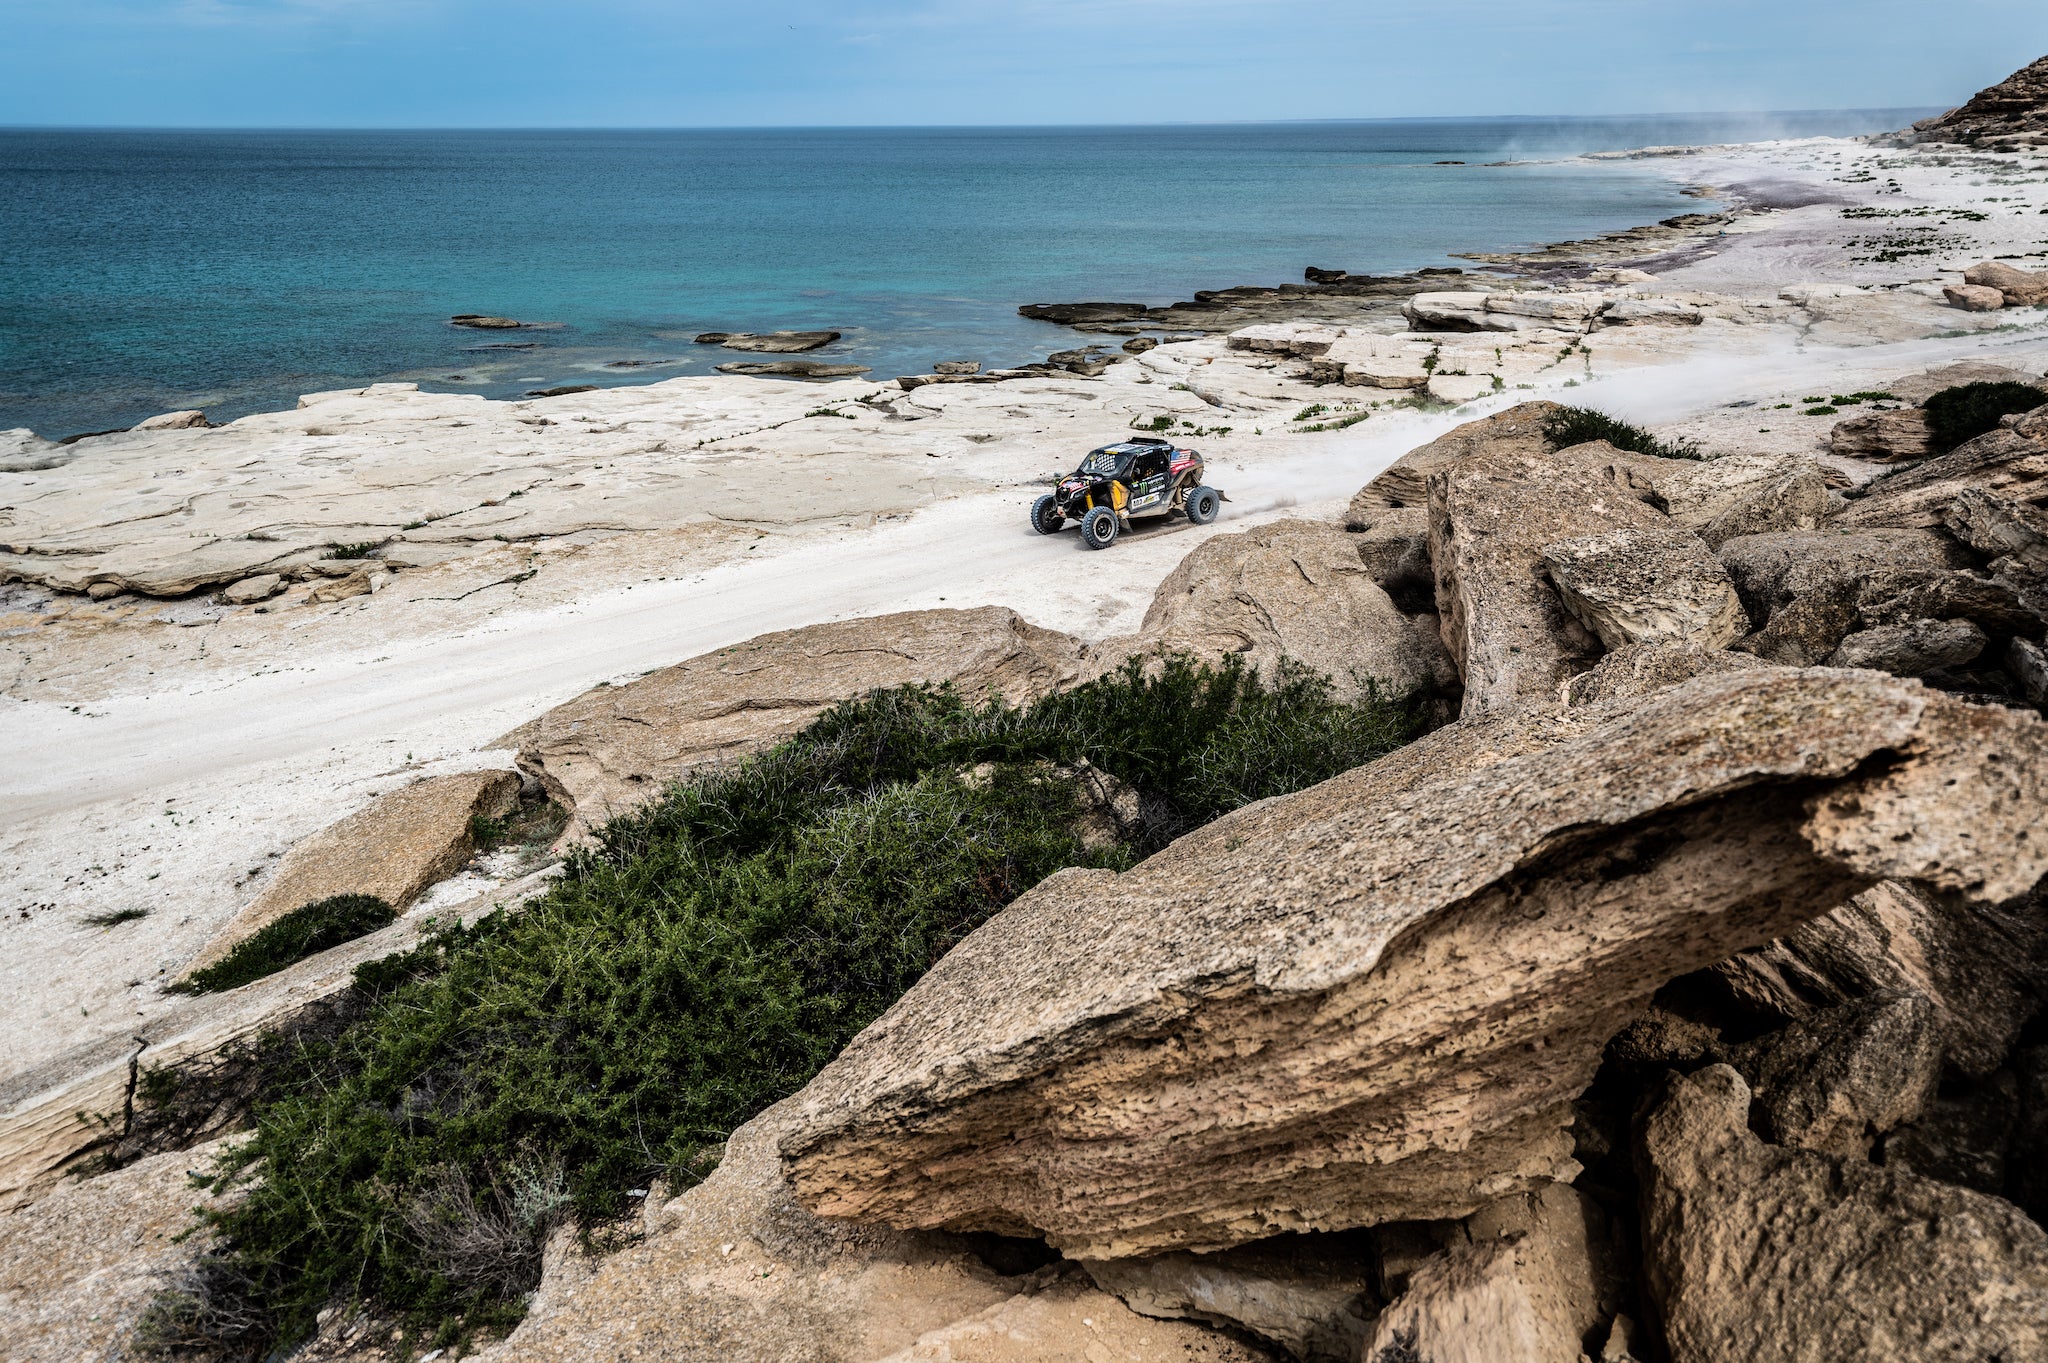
(1578, 425)
(703, 959)
(1956, 415)
(305, 931)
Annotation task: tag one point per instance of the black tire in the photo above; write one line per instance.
(1098, 528)
(1045, 515)
(1202, 504)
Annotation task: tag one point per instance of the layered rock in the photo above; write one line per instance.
(1312, 1295)
(1646, 587)
(1847, 1074)
(1490, 521)
(2011, 461)
(615, 747)
(1983, 968)
(1756, 1251)
(2014, 110)
(1372, 1001)
(1884, 436)
(404, 842)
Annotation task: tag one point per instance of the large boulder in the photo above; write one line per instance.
(1983, 968)
(1770, 571)
(1847, 1074)
(394, 850)
(2015, 287)
(1405, 482)
(1755, 1251)
(1914, 649)
(1289, 589)
(614, 747)
(1657, 586)
(1491, 518)
(1375, 999)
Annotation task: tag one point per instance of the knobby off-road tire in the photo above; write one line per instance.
(1045, 515)
(1098, 528)
(1202, 504)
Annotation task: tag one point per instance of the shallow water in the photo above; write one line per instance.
(142, 272)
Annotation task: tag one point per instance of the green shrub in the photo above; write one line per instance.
(703, 959)
(305, 931)
(1578, 425)
(1956, 415)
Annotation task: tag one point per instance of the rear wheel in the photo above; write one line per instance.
(1098, 528)
(1202, 504)
(1045, 515)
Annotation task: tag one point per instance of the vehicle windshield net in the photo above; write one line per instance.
(1102, 464)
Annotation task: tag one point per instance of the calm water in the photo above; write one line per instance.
(146, 271)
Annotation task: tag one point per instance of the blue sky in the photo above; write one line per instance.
(641, 63)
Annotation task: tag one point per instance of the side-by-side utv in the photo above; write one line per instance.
(1138, 477)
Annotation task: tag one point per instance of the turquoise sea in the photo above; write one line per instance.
(144, 271)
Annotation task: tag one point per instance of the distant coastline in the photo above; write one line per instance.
(345, 253)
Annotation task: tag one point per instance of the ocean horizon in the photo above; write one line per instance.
(143, 271)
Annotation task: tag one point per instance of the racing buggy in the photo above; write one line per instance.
(1138, 477)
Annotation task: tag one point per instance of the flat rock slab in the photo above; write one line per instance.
(769, 342)
(1647, 587)
(1756, 1251)
(404, 842)
(1373, 1000)
(615, 747)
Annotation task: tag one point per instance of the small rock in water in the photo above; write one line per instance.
(769, 342)
(483, 323)
(794, 369)
(563, 391)
(957, 367)
(1138, 345)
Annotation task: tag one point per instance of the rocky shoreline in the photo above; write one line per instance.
(1677, 997)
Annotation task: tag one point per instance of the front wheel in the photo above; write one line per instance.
(1202, 504)
(1098, 528)
(1045, 515)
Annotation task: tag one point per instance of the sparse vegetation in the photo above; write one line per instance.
(305, 931)
(359, 549)
(1955, 415)
(830, 411)
(113, 918)
(701, 961)
(1578, 425)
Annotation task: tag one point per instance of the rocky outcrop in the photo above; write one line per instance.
(2014, 111)
(1291, 589)
(1771, 571)
(2012, 462)
(615, 747)
(1646, 587)
(1983, 968)
(1519, 430)
(769, 342)
(1491, 519)
(1973, 297)
(394, 850)
(1756, 1251)
(1372, 1001)
(2014, 287)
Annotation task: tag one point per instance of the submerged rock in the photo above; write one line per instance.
(796, 369)
(771, 342)
(1373, 1000)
